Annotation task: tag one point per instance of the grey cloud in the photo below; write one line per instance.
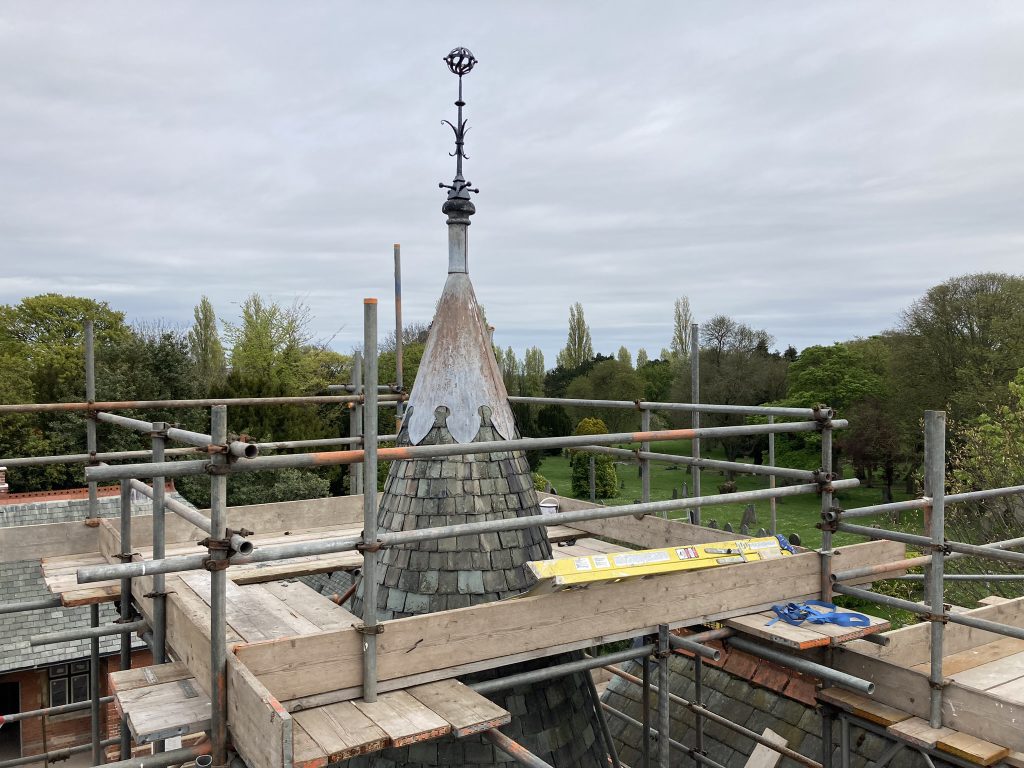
(809, 168)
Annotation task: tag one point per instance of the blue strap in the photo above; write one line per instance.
(797, 613)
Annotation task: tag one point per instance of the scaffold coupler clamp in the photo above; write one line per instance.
(823, 415)
(365, 629)
(370, 546)
(824, 480)
(830, 519)
(217, 545)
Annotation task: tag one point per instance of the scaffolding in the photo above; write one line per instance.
(322, 674)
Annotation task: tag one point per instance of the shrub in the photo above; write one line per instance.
(606, 481)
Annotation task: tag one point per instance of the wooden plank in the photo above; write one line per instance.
(404, 719)
(766, 757)
(539, 625)
(141, 677)
(993, 674)
(993, 600)
(295, 567)
(972, 749)
(251, 611)
(31, 542)
(260, 727)
(919, 732)
(165, 710)
(649, 533)
(338, 732)
(863, 706)
(466, 710)
(311, 605)
(910, 645)
(975, 657)
(1012, 691)
(839, 635)
(757, 625)
(968, 710)
(1015, 760)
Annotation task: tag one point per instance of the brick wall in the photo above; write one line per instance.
(46, 734)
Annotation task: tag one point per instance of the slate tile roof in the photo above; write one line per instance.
(23, 580)
(554, 719)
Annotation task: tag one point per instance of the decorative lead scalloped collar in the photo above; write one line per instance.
(458, 371)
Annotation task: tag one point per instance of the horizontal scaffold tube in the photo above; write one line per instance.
(85, 458)
(194, 516)
(561, 670)
(923, 610)
(912, 539)
(30, 605)
(237, 448)
(841, 679)
(322, 442)
(920, 562)
(953, 498)
(822, 412)
(167, 759)
(894, 506)
(964, 577)
(56, 755)
(329, 546)
(131, 405)
(87, 633)
(59, 710)
(333, 458)
(728, 466)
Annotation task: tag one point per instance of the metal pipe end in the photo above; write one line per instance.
(204, 761)
(243, 547)
(251, 452)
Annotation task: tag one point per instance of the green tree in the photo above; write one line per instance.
(606, 481)
(960, 343)
(609, 380)
(682, 319)
(47, 332)
(205, 348)
(579, 347)
(533, 372)
(988, 452)
(641, 358)
(624, 357)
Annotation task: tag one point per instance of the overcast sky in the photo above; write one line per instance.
(808, 168)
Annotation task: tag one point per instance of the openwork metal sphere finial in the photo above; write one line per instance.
(460, 61)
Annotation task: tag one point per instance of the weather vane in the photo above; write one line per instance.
(460, 62)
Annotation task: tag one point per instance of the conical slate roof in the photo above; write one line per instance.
(460, 387)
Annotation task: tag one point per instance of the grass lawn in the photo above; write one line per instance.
(795, 514)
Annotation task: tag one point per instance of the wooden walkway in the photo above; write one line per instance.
(164, 701)
(915, 730)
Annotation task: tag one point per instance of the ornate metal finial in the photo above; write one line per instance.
(460, 62)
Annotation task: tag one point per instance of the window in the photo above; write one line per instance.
(69, 683)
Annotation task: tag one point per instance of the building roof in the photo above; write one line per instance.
(22, 580)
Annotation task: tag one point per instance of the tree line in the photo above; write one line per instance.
(960, 347)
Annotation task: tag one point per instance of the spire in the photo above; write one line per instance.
(458, 370)
(459, 207)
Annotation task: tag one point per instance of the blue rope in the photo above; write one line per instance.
(797, 613)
